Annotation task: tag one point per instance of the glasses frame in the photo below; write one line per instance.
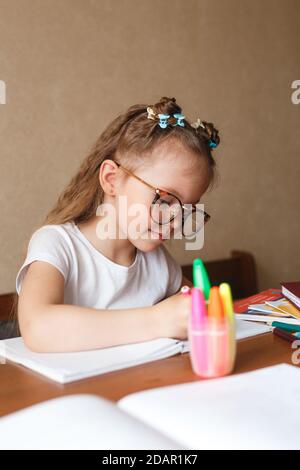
(161, 192)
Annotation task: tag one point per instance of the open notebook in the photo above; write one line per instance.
(68, 367)
(255, 410)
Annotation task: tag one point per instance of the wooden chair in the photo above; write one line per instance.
(6, 304)
(8, 327)
(239, 271)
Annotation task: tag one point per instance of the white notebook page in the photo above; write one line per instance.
(78, 422)
(255, 410)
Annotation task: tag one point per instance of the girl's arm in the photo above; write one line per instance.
(48, 325)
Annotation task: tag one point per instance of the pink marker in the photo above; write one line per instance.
(198, 332)
(198, 308)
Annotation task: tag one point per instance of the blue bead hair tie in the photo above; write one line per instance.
(179, 118)
(212, 144)
(163, 120)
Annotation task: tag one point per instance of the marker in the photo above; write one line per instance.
(226, 296)
(284, 335)
(225, 293)
(218, 333)
(198, 308)
(215, 304)
(198, 334)
(285, 326)
(200, 277)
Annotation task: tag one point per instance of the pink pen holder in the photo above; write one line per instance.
(212, 346)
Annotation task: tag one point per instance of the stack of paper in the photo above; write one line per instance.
(268, 306)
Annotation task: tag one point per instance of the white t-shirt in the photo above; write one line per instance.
(92, 280)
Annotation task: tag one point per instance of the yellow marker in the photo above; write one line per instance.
(225, 293)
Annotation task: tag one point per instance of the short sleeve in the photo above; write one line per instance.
(175, 273)
(46, 244)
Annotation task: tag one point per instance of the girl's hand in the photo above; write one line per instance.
(172, 315)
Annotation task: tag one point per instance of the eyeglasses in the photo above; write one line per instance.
(166, 208)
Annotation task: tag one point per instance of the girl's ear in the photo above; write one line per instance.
(107, 177)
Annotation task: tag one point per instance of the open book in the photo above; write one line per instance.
(255, 410)
(68, 367)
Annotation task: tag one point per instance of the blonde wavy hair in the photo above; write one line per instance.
(132, 137)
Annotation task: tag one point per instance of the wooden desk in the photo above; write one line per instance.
(21, 387)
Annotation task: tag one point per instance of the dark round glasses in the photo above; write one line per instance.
(166, 208)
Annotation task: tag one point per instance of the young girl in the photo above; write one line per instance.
(80, 289)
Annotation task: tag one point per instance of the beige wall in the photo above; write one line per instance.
(71, 65)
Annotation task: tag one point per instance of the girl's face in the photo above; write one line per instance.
(174, 169)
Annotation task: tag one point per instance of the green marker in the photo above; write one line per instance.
(200, 277)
